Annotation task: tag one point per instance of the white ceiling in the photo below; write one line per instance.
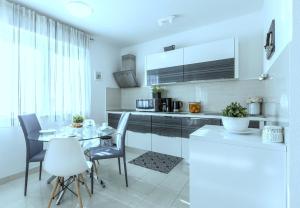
(128, 22)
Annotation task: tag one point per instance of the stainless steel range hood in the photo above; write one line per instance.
(126, 78)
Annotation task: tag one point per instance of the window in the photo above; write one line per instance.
(44, 68)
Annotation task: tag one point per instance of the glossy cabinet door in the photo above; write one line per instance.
(139, 132)
(139, 123)
(165, 75)
(189, 125)
(166, 135)
(165, 67)
(166, 145)
(217, 50)
(165, 59)
(210, 70)
(209, 61)
(235, 176)
(139, 140)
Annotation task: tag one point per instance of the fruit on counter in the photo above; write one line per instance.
(194, 107)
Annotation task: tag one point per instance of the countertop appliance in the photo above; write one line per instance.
(152, 105)
(167, 105)
(126, 78)
(177, 106)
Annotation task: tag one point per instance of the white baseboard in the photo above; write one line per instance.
(17, 175)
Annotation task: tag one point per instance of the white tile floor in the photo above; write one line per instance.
(147, 188)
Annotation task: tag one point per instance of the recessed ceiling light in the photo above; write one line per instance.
(79, 9)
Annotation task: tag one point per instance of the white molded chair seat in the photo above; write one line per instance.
(65, 158)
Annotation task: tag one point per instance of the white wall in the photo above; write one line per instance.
(294, 113)
(276, 88)
(104, 58)
(281, 11)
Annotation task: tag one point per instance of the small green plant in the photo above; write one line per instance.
(235, 110)
(157, 89)
(78, 119)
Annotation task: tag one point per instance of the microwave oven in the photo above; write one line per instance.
(151, 105)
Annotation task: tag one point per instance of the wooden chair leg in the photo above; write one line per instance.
(85, 185)
(125, 170)
(26, 178)
(119, 163)
(78, 192)
(53, 192)
(41, 167)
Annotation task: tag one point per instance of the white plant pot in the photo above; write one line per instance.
(233, 124)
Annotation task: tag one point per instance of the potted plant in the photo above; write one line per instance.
(156, 91)
(77, 121)
(235, 118)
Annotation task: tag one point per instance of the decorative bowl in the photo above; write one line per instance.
(235, 124)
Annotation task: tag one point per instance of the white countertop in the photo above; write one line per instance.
(217, 134)
(185, 114)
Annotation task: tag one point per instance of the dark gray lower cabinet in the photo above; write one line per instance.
(189, 125)
(165, 75)
(166, 126)
(218, 69)
(254, 124)
(166, 135)
(113, 119)
(139, 123)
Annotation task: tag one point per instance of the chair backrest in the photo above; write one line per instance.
(31, 126)
(121, 131)
(65, 157)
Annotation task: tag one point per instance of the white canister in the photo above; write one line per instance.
(272, 134)
(254, 109)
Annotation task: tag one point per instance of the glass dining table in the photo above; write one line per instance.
(88, 136)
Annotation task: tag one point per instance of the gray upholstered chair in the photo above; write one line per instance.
(34, 149)
(118, 151)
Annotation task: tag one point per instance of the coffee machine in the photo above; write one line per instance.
(177, 106)
(167, 105)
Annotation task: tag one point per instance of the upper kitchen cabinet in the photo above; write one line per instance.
(209, 61)
(166, 67)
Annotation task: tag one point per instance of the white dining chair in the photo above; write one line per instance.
(65, 159)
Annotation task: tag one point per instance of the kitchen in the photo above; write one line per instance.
(190, 102)
(202, 100)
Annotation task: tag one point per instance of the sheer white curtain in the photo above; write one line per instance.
(44, 67)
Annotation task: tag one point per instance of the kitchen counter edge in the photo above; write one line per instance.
(189, 115)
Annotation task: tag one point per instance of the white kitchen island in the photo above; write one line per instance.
(236, 171)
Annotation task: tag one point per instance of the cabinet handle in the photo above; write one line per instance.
(196, 118)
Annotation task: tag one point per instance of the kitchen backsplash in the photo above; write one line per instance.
(214, 96)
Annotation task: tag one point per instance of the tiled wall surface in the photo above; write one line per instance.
(113, 98)
(214, 96)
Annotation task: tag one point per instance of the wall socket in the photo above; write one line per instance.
(98, 75)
